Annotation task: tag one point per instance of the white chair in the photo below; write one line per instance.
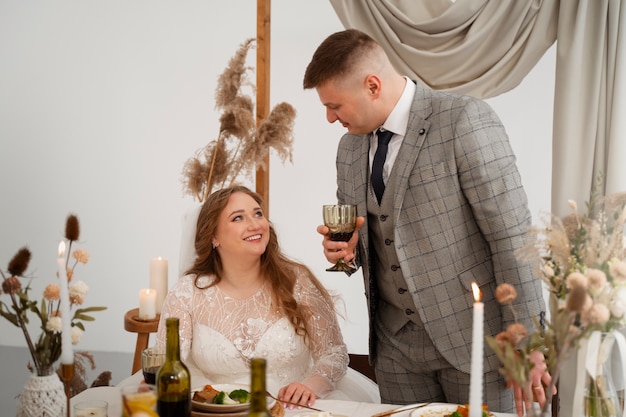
(358, 387)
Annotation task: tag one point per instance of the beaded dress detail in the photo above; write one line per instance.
(228, 332)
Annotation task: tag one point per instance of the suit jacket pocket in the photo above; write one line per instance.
(481, 273)
(429, 173)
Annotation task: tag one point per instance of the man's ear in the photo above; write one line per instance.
(372, 83)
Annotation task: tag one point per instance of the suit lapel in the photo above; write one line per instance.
(361, 164)
(416, 132)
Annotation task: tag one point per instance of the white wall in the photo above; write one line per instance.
(101, 103)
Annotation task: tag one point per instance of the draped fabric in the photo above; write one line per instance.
(589, 132)
(486, 47)
(477, 47)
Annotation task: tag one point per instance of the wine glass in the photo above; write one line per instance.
(341, 222)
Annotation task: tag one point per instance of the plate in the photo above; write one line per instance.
(434, 410)
(232, 410)
(196, 413)
(221, 408)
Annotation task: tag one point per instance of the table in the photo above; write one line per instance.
(337, 407)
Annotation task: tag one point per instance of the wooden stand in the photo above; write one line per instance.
(143, 328)
(67, 373)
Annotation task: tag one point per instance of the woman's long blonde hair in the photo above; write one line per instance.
(277, 268)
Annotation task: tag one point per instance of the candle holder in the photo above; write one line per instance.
(143, 328)
(67, 373)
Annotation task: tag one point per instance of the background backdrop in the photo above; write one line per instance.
(101, 104)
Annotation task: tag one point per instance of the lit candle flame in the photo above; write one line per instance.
(476, 291)
(61, 248)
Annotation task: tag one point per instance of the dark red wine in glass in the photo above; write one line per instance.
(341, 222)
(149, 374)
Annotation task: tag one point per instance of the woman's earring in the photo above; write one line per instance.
(214, 245)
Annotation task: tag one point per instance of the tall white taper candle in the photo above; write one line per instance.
(476, 377)
(67, 354)
(158, 280)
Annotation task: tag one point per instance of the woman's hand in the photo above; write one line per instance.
(336, 250)
(297, 393)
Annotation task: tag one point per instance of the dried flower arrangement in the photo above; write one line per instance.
(240, 146)
(47, 349)
(582, 261)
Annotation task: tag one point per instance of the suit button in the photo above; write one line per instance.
(388, 242)
(422, 131)
(383, 217)
(401, 290)
(394, 268)
(408, 311)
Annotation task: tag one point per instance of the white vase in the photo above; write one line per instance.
(43, 396)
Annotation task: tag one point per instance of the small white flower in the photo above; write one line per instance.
(54, 324)
(78, 288)
(618, 303)
(77, 334)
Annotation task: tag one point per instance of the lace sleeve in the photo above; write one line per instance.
(328, 349)
(179, 303)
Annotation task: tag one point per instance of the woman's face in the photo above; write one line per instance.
(242, 229)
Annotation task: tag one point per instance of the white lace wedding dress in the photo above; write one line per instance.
(219, 334)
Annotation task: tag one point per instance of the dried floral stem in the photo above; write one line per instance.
(22, 325)
(242, 142)
(207, 188)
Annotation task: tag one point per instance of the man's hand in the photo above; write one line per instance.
(540, 378)
(337, 250)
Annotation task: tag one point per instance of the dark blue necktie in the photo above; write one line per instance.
(384, 136)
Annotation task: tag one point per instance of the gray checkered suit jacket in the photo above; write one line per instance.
(459, 214)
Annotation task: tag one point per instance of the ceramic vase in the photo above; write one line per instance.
(43, 396)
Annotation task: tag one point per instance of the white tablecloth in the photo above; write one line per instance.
(339, 407)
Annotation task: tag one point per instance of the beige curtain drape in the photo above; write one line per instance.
(589, 134)
(486, 47)
(478, 47)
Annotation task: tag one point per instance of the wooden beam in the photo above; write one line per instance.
(263, 91)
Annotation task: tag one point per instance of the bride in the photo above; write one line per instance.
(244, 298)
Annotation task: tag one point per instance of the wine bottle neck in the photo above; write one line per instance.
(172, 351)
(258, 395)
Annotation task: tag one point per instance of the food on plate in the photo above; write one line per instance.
(463, 411)
(206, 395)
(209, 394)
(277, 410)
(240, 395)
(223, 398)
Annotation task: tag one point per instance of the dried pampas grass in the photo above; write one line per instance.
(240, 146)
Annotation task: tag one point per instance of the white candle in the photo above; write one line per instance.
(67, 354)
(476, 377)
(147, 304)
(158, 280)
(91, 412)
(91, 408)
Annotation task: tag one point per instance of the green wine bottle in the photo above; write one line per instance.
(173, 379)
(258, 394)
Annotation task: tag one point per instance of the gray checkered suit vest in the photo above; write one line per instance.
(396, 305)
